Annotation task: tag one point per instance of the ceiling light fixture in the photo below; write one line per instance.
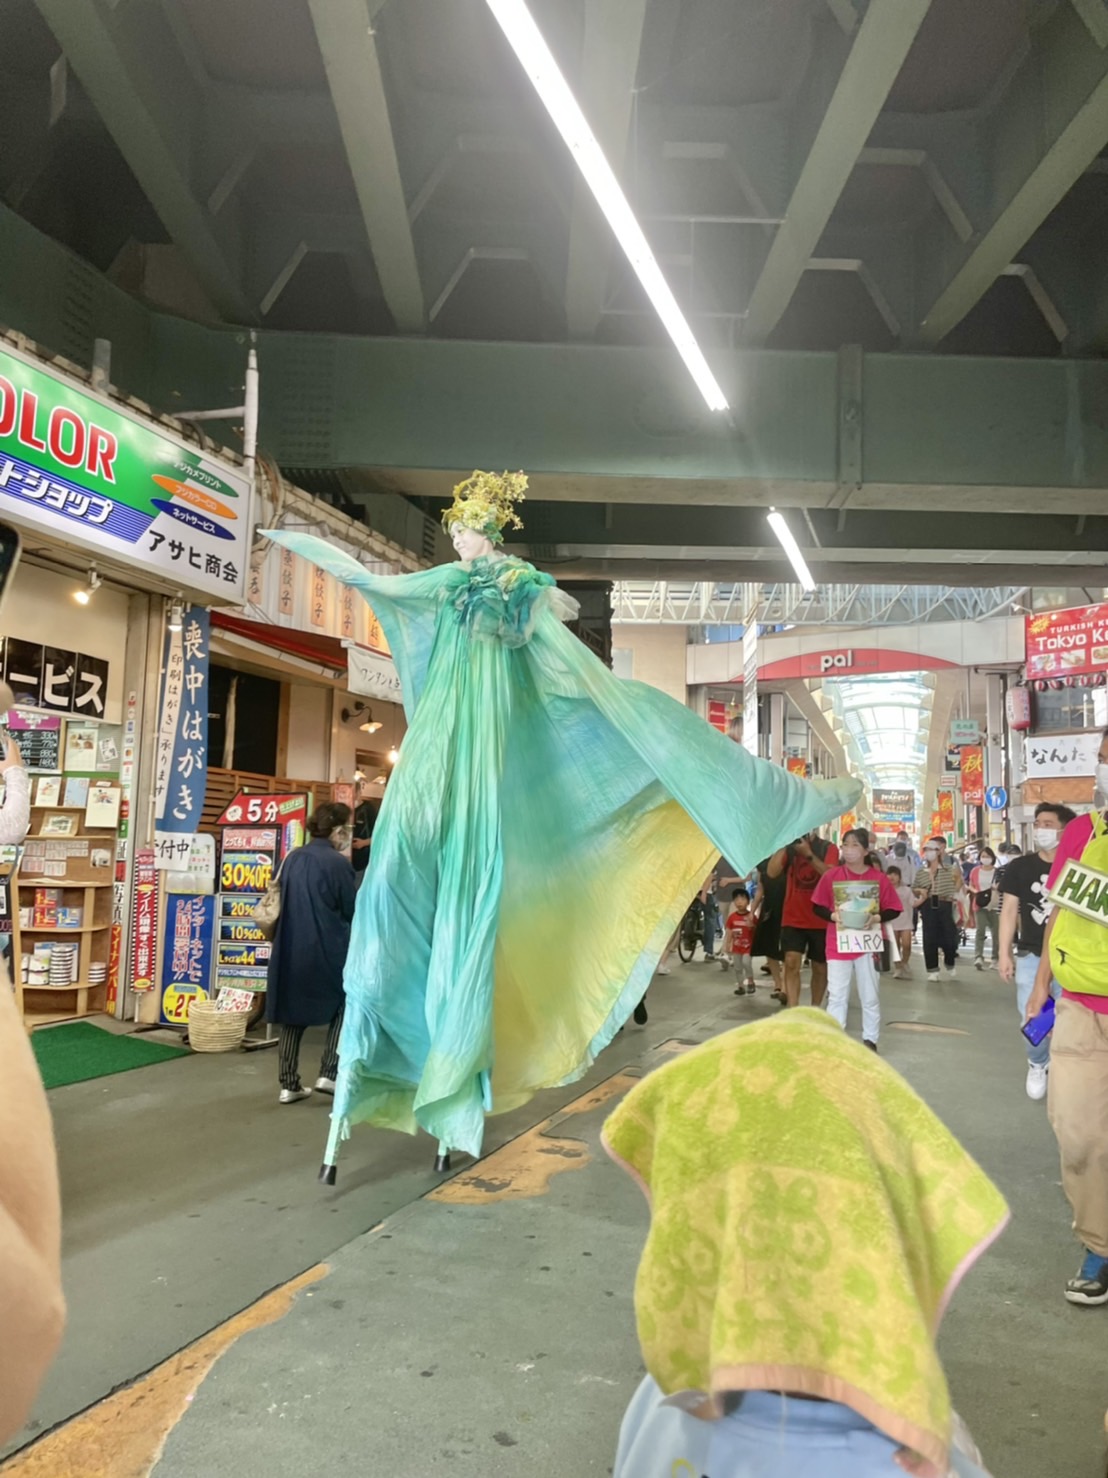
(392, 756)
(176, 620)
(86, 592)
(537, 60)
(777, 523)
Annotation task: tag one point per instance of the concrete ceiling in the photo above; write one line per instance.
(920, 175)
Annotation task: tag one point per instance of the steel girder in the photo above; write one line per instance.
(676, 603)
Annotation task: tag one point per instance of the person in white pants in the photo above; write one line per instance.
(857, 900)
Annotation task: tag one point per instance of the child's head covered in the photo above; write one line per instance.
(763, 1151)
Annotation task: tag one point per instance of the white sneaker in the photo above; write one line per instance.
(900, 975)
(294, 1095)
(1036, 1080)
(325, 1085)
(932, 975)
(950, 974)
(662, 970)
(979, 964)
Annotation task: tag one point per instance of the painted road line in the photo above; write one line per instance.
(124, 1435)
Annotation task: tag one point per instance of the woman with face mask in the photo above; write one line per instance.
(855, 898)
(308, 954)
(1077, 1089)
(982, 887)
(936, 886)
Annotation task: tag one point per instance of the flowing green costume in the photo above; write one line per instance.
(541, 836)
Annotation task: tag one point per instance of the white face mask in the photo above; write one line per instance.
(1046, 838)
(852, 855)
(1100, 790)
(929, 854)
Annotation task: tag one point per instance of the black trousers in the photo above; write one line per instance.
(940, 933)
(288, 1066)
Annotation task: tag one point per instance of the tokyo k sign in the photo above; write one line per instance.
(98, 478)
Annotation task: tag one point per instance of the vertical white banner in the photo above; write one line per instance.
(752, 595)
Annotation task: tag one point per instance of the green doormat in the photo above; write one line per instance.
(79, 1051)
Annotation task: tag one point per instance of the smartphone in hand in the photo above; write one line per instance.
(1040, 1026)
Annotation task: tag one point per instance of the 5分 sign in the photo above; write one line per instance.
(102, 479)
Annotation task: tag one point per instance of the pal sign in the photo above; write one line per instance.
(835, 661)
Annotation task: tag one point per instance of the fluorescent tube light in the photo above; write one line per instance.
(526, 40)
(792, 549)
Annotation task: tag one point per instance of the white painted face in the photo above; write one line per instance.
(470, 544)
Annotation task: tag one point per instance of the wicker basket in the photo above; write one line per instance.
(213, 1030)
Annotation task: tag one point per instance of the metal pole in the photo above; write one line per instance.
(100, 379)
(250, 412)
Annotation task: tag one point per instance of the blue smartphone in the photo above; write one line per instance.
(1040, 1026)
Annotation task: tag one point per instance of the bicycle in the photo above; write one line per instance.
(692, 931)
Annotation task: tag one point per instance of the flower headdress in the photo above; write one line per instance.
(485, 503)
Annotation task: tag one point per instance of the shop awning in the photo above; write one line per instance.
(309, 646)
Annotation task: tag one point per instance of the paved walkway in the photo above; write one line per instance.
(483, 1326)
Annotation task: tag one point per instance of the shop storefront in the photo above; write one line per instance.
(129, 534)
(1064, 708)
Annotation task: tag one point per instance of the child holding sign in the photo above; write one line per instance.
(857, 900)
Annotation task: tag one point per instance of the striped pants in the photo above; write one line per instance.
(288, 1067)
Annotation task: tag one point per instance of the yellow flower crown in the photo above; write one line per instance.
(485, 503)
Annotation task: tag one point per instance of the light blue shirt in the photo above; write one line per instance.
(769, 1436)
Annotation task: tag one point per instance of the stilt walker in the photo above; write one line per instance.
(487, 960)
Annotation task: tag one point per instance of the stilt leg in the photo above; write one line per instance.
(442, 1159)
(330, 1158)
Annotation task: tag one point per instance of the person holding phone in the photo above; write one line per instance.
(1024, 910)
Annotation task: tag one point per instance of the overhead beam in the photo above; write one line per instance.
(881, 43)
(1049, 128)
(349, 47)
(954, 434)
(606, 92)
(124, 89)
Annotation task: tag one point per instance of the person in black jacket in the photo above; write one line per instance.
(306, 961)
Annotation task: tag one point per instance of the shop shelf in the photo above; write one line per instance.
(47, 929)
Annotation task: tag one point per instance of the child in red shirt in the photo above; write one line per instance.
(739, 940)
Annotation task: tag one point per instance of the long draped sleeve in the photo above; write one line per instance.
(407, 606)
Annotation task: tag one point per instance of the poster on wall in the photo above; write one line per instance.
(197, 872)
(77, 465)
(181, 762)
(187, 955)
(1067, 643)
(38, 738)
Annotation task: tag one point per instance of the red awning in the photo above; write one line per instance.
(310, 646)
